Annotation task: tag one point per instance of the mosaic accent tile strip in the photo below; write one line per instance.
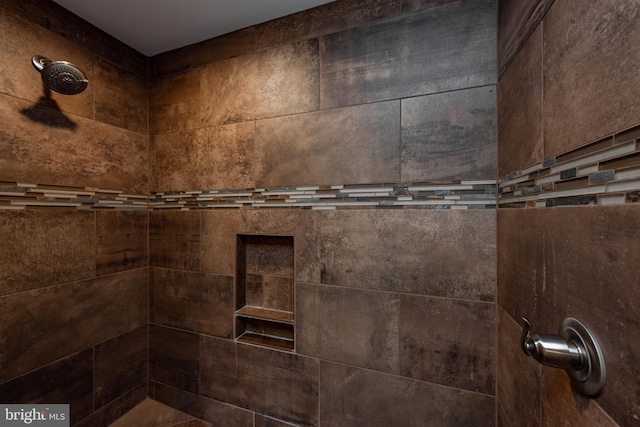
(604, 172)
(472, 194)
(19, 195)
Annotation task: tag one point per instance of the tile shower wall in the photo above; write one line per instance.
(569, 78)
(73, 284)
(389, 303)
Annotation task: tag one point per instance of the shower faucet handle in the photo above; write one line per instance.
(575, 349)
(552, 350)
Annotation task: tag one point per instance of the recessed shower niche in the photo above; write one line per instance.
(265, 290)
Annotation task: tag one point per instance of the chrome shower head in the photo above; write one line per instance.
(60, 76)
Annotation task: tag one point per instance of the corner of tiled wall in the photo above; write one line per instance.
(568, 213)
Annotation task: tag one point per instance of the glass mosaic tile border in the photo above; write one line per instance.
(19, 195)
(604, 172)
(471, 194)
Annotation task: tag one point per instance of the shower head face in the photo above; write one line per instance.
(61, 76)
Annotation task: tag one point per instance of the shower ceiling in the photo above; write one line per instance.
(156, 26)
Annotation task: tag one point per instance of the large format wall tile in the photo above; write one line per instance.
(201, 407)
(46, 324)
(349, 145)
(120, 365)
(518, 395)
(121, 241)
(41, 248)
(68, 380)
(174, 102)
(21, 39)
(174, 240)
(230, 45)
(105, 416)
(219, 230)
(174, 358)
(197, 302)
(279, 384)
(270, 83)
(41, 144)
(121, 97)
(210, 158)
(520, 109)
(352, 326)
(405, 56)
(449, 136)
(356, 397)
(447, 341)
(517, 19)
(60, 21)
(590, 71)
(559, 404)
(325, 19)
(586, 269)
(432, 252)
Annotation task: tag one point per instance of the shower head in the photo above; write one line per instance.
(60, 76)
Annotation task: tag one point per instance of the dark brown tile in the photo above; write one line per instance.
(351, 396)
(449, 342)
(174, 358)
(517, 20)
(214, 411)
(520, 262)
(121, 241)
(349, 145)
(211, 158)
(449, 136)
(41, 248)
(262, 421)
(68, 380)
(115, 409)
(59, 21)
(431, 252)
(325, 19)
(23, 38)
(561, 405)
(415, 5)
(196, 302)
(580, 86)
(120, 365)
(174, 240)
(581, 264)
(404, 56)
(518, 388)
(274, 383)
(121, 97)
(79, 315)
(174, 102)
(270, 292)
(520, 109)
(352, 326)
(271, 83)
(219, 230)
(226, 46)
(69, 150)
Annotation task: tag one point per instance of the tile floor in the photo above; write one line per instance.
(150, 413)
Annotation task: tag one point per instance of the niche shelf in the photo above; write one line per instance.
(265, 290)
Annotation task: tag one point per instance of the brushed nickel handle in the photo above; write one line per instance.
(575, 349)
